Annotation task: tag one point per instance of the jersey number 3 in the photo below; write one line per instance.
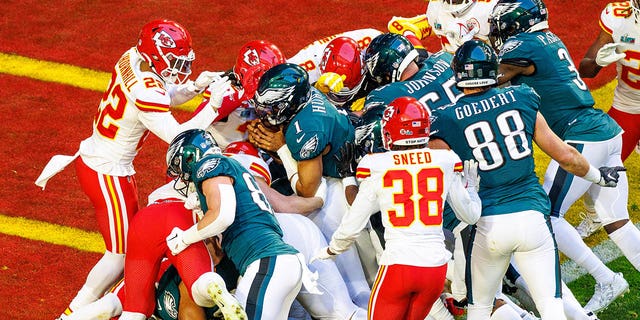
(420, 196)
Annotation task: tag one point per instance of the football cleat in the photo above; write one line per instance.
(605, 293)
(229, 306)
(590, 223)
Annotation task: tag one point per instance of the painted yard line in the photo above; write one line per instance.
(64, 74)
(52, 233)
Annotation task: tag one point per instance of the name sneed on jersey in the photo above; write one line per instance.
(418, 157)
(480, 106)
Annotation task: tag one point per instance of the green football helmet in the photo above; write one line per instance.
(184, 151)
(475, 64)
(387, 56)
(368, 131)
(282, 91)
(510, 17)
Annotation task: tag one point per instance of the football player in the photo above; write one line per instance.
(531, 54)
(389, 183)
(619, 27)
(618, 22)
(496, 127)
(146, 82)
(452, 21)
(305, 130)
(272, 271)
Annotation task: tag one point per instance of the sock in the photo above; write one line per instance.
(571, 244)
(109, 305)
(504, 313)
(104, 274)
(132, 316)
(439, 311)
(572, 307)
(627, 239)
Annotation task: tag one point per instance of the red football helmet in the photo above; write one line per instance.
(254, 59)
(405, 122)
(166, 46)
(242, 147)
(343, 56)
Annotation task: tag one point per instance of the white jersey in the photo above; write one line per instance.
(409, 188)
(255, 165)
(616, 20)
(234, 126)
(455, 30)
(135, 103)
(310, 56)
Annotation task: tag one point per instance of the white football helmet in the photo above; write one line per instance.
(457, 7)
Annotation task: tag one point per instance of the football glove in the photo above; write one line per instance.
(357, 105)
(219, 88)
(346, 160)
(609, 176)
(204, 79)
(608, 55)
(323, 254)
(175, 241)
(417, 25)
(330, 81)
(471, 176)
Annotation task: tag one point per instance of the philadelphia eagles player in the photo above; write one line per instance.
(496, 127)
(531, 54)
(234, 206)
(305, 130)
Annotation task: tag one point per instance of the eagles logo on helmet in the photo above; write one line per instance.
(510, 17)
(387, 56)
(282, 91)
(184, 151)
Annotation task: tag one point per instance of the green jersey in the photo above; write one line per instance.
(255, 232)
(317, 125)
(496, 129)
(566, 102)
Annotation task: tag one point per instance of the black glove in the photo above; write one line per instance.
(346, 160)
(609, 176)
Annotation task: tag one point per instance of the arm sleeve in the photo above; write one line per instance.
(166, 127)
(464, 201)
(225, 218)
(355, 219)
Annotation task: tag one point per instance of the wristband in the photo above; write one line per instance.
(191, 235)
(593, 175)
(349, 181)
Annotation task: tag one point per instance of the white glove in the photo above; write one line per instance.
(330, 81)
(322, 254)
(203, 81)
(175, 242)
(608, 55)
(219, 88)
(471, 176)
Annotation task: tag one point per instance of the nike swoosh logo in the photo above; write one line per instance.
(174, 236)
(300, 139)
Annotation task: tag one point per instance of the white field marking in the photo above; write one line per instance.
(65, 74)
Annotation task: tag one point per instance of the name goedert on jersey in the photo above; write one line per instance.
(480, 106)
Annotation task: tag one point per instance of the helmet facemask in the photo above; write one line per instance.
(457, 8)
(178, 67)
